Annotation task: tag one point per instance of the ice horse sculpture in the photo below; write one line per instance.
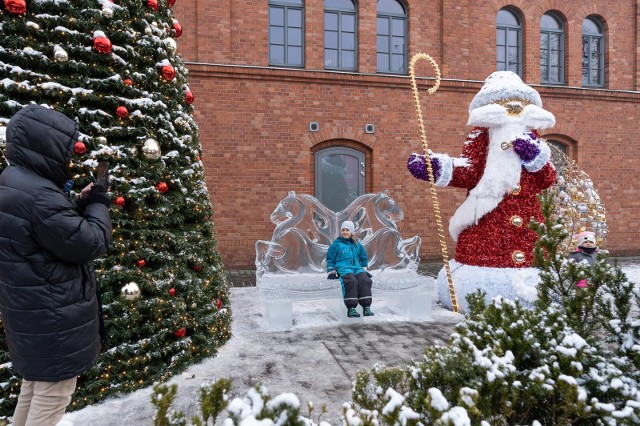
(292, 266)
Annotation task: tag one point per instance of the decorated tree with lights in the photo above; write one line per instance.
(114, 69)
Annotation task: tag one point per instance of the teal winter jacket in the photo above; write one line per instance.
(346, 257)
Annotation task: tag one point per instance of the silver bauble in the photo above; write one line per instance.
(151, 149)
(131, 291)
(60, 55)
(101, 140)
(170, 44)
(107, 12)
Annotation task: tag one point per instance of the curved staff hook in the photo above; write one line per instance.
(425, 146)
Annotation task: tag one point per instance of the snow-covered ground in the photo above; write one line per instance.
(308, 378)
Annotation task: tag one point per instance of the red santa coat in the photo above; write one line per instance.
(501, 238)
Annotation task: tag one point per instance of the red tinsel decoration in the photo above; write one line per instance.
(162, 187)
(218, 303)
(171, 3)
(102, 44)
(127, 82)
(496, 229)
(188, 96)
(141, 263)
(177, 28)
(172, 292)
(16, 7)
(79, 148)
(120, 201)
(153, 4)
(122, 112)
(168, 72)
(181, 332)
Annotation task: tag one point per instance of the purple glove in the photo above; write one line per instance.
(417, 166)
(526, 148)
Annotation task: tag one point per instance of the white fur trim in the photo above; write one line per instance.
(510, 283)
(503, 85)
(446, 169)
(541, 159)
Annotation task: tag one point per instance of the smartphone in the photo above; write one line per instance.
(102, 174)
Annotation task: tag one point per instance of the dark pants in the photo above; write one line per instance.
(356, 289)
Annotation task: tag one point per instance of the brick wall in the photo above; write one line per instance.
(254, 119)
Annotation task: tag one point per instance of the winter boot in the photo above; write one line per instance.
(352, 313)
(367, 312)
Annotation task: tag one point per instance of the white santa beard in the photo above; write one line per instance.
(501, 175)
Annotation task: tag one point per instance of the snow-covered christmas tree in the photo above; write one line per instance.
(114, 69)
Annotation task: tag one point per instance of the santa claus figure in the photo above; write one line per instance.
(504, 166)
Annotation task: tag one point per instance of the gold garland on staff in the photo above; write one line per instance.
(425, 146)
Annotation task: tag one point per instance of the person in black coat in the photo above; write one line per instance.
(48, 288)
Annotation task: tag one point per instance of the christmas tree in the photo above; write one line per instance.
(114, 69)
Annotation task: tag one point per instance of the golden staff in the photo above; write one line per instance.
(425, 146)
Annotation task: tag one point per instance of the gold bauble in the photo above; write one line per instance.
(151, 149)
(101, 140)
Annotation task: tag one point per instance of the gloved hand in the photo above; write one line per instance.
(526, 147)
(417, 166)
(98, 194)
(333, 275)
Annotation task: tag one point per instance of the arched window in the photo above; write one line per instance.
(592, 53)
(340, 34)
(558, 154)
(551, 49)
(508, 42)
(339, 176)
(286, 33)
(391, 37)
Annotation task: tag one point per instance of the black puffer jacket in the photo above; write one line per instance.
(47, 281)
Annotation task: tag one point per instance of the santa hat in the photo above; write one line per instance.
(347, 224)
(503, 86)
(585, 236)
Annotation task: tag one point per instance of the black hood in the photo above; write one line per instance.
(42, 140)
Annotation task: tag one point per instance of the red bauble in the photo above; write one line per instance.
(177, 28)
(162, 187)
(168, 72)
(127, 82)
(218, 303)
(188, 96)
(153, 4)
(172, 292)
(171, 3)
(181, 332)
(122, 112)
(120, 201)
(141, 263)
(197, 268)
(79, 148)
(102, 44)
(16, 7)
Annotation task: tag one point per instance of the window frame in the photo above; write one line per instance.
(338, 150)
(340, 13)
(286, 6)
(405, 20)
(506, 28)
(561, 51)
(601, 38)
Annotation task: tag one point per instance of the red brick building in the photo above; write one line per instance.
(285, 86)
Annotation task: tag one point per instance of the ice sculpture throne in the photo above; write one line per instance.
(292, 266)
